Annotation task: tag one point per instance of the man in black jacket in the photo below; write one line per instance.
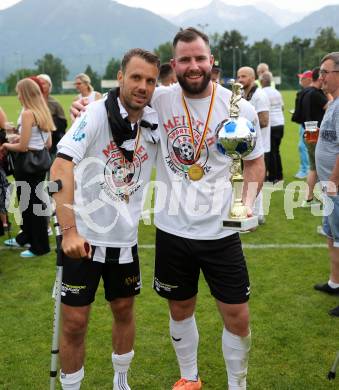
(313, 106)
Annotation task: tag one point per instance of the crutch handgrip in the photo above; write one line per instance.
(54, 186)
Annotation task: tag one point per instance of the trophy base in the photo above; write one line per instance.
(241, 225)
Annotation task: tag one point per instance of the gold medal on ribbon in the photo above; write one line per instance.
(126, 197)
(195, 172)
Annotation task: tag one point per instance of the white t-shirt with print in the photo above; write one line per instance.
(261, 103)
(183, 207)
(103, 177)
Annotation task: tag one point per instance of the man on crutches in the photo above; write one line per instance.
(107, 155)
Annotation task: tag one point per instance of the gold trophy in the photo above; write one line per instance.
(236, 138)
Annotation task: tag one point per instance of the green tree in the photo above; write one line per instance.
(294, 60)
(232, 47)
(326, 42)
(164, 52)
(95, 78)
(14, 77)
(54, 67)
(215, 46)
(112, 69)
(261, 51)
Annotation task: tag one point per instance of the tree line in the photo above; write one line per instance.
(230, 49)
(58, 72)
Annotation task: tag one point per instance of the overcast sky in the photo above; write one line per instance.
(174, 7)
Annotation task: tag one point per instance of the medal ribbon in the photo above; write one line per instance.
(137, 138)
(190, 126)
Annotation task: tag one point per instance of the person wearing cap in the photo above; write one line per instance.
(56, 110)
(305, 81)
(216, 72)
(313, 106)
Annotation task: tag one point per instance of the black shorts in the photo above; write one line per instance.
(81, 277)
(178, 262)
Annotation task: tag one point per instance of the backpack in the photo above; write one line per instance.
(298, 115)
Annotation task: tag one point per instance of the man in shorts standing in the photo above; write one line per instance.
(189, 215)
(327, 164)
(107, 156)
(189, 235)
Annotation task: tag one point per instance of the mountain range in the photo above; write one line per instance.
(310, 25)
(93, 31)
(283, 17)
(219, 17)
(79, 32)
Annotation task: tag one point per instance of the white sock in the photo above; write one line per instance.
(121, 365)
(258, 208)
(333, 284)
(185, 340)
(72, 381)
(235, 350)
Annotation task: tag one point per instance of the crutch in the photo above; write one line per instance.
(54, 187)
(331, 374)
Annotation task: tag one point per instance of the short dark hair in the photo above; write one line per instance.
(165, 70)
(141, 53)
(315, 73)
(190, 34)
(334, 56)
(266, 78)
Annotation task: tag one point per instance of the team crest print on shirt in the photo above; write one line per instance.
(79, 133)
(121, 177)
(181, 151)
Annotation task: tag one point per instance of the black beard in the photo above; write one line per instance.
(194, 89)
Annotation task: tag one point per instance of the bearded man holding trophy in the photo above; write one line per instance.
(191, 239)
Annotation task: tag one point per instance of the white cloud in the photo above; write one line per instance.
(174, 7)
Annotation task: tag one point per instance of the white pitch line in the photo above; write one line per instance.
(283, 246)
(264, 246)
(245, 246)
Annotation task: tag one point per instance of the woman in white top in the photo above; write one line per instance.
(34, 134)
(83, 85)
